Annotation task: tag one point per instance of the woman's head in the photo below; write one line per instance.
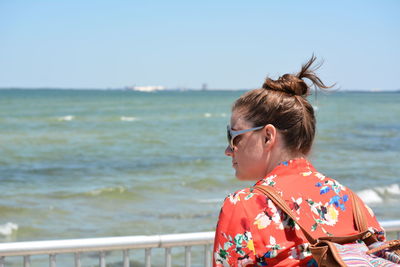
(282, 105)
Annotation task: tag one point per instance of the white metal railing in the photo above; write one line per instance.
(126, 243)
(102, 245)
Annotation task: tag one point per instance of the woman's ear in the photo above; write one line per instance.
(270, 135)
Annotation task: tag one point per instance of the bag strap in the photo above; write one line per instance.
(358, 214)
(277, 199)
(360, 219)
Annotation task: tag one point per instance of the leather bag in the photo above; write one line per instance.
(362, 249)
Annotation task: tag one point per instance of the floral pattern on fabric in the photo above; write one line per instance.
(252, 231)
(240, 245)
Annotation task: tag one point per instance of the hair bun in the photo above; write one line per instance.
(287, 83)
(294, 84)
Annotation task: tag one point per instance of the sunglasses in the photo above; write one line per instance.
(231, 134)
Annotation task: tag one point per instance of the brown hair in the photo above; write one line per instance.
(283, 103)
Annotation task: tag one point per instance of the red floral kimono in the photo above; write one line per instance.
(252, 231)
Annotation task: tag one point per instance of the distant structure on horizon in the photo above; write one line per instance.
(150, 88)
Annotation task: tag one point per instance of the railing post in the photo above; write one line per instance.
(188, 254)
(126, 258)
(167, 257)
(102, 259)
(207, 255)
(77, 259)
(147, 255)
(2, 260)
(52, 260)
(27, 261)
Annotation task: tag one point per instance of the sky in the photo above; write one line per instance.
(184, 44)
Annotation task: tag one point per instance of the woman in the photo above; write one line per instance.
(270, 135)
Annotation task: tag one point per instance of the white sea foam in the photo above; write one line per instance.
(8, 228)
(209, 115)
(96, 192)
(66, 118)
(124, 118)
(378, 194)
(369, 196)
(393, 189)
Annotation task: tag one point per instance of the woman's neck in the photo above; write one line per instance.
(281, 156)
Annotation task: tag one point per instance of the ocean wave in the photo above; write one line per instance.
(393, 189)
(184, 215)
(369, 196)
(5, 210)
(125, 118)
(204, 184)
(107, 190)
(66, 118)
(8, 228)
(113, 192)
(379, 194)
(209, 115)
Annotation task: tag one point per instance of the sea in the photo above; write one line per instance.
(100, 163)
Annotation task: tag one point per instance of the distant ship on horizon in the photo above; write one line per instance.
(149, 88)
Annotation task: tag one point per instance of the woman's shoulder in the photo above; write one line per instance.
(246, 209)
(243, 196)
(245, 202)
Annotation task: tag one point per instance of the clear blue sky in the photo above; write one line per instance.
(226, 44)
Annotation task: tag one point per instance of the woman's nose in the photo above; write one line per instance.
(228, 151)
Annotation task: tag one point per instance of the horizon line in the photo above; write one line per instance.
(173, 89)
